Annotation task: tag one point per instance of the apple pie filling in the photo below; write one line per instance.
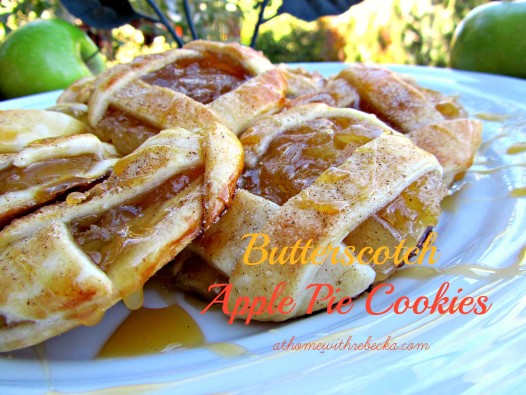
(105, 236)
(407, 218)
(296, 158)
(123, 130)
(26, 188)
(203, 79)
(56, 174)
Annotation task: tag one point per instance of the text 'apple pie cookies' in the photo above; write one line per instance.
(65, 264)
(202, 83)
(334, 177)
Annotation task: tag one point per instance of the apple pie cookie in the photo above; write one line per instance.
(202, 83)
(65, 264)
(433, 121)
(305, 87)
(44, 157)
(18, 128)
(333, 176)
(47, 168)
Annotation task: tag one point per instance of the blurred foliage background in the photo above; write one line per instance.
(383, 31)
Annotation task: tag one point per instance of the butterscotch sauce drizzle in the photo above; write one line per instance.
(296, 158)
(469, 270)
(161, 330)
(490, 141)
(426, 323)
(495, 169)
(519, 192)
(134, 300)
(53, 173)
(41, 353)
(165, 329)
(452, 202)
(492, 117)
(516, 148)
(105, 236)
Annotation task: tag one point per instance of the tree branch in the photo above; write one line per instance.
(165, 22)
(259, 22)
(189, 20)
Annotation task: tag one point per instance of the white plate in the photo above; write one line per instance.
(472, 353)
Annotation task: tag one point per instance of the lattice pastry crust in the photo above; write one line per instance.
(45, 157)
(65, 264)
(433, 121)
(47, 168)
(18, 128)
(145, 92)
(359, 196)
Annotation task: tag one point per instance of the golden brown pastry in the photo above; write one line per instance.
(384, 93)
(78, 92)
(202, 83)
(454, 142)
(18, 128)
(304, 88)
(65, 264)
(47, 168)
(301, 82)
(42, 155)
(319, 173)
(331, 176)
(434, 122)
(79, 111)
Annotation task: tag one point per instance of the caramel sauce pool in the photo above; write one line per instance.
(516, 149)
(148, 331)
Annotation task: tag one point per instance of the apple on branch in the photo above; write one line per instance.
(46, 55)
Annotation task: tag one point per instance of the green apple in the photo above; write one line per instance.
(45, 55)
(492, 39)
